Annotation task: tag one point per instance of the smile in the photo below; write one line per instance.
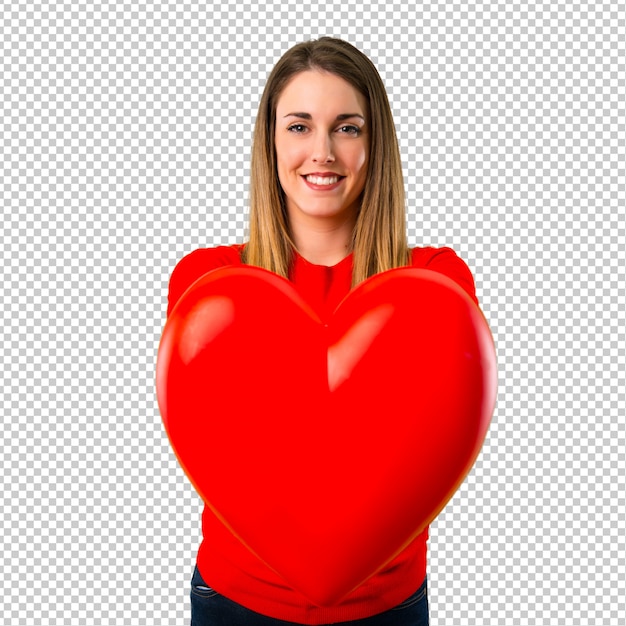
(323, 182)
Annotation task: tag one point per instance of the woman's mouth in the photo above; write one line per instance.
(323, 182)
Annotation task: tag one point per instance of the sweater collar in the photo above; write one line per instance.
(344, 264)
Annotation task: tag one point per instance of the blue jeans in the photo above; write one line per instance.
(209, 608)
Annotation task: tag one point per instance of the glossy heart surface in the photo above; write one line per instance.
(326, 448)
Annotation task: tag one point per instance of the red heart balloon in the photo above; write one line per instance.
(326, 449)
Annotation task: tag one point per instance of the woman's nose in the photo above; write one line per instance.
(323, 150)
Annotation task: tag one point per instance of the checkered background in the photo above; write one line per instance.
(125, 138)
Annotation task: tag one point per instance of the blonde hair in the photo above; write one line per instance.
(379, 237)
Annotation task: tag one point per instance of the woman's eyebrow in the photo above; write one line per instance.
(347, 116)
(339, 118)
(304, 116)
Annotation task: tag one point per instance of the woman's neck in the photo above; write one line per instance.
(322, 244)
(323, 248)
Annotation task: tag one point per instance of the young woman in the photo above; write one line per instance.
(327, 211)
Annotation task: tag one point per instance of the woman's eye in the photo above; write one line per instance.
(351, 130)
(347, 130)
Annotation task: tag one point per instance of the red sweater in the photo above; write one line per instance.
(224, 562)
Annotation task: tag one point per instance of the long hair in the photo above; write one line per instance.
(379, 237)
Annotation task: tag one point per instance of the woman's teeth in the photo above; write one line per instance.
(322, 180)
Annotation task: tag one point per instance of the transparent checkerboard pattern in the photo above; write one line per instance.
(125, 138)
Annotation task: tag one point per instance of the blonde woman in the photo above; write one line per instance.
(327, 210)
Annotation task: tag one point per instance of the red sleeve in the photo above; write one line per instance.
(446, 261)
(197, 264)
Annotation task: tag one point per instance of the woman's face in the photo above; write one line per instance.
(322, 147)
